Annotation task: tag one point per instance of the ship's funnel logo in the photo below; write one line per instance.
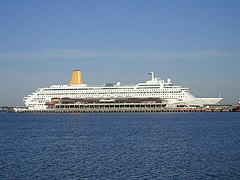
(76, 77)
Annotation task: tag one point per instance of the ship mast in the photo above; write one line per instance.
(152, 74)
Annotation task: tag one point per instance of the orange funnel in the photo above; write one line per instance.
(76, 77)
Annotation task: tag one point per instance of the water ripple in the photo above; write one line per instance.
(120, 146)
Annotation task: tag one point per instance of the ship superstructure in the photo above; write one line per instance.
(155, 88)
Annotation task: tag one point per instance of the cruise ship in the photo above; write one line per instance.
(155, 88)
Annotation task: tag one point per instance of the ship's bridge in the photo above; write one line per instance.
(153, 83)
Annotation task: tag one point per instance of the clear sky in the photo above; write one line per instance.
(196, 43)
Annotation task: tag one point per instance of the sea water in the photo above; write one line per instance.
(120, 146)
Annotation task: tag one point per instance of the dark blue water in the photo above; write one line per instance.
(120, 146)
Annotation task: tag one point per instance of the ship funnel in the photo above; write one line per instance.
(76, 77)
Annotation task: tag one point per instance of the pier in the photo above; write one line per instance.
(4, 108)
(123, 108)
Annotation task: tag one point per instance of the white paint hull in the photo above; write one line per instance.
(154, 88)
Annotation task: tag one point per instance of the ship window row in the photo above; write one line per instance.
(99, 90)
(65, 93)
(148, 87)
(94, 95)
(112, 90)
(114, 95)
(84, 89)
(144, 95)
(64, 89)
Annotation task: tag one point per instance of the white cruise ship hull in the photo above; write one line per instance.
(157, 88)
(200, 101)
(206, 101)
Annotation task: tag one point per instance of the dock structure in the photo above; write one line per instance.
(4, 108)
(121, 108)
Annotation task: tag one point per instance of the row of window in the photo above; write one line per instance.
(110, 92)
(41, 100)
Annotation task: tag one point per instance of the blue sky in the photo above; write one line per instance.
(195, 43)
